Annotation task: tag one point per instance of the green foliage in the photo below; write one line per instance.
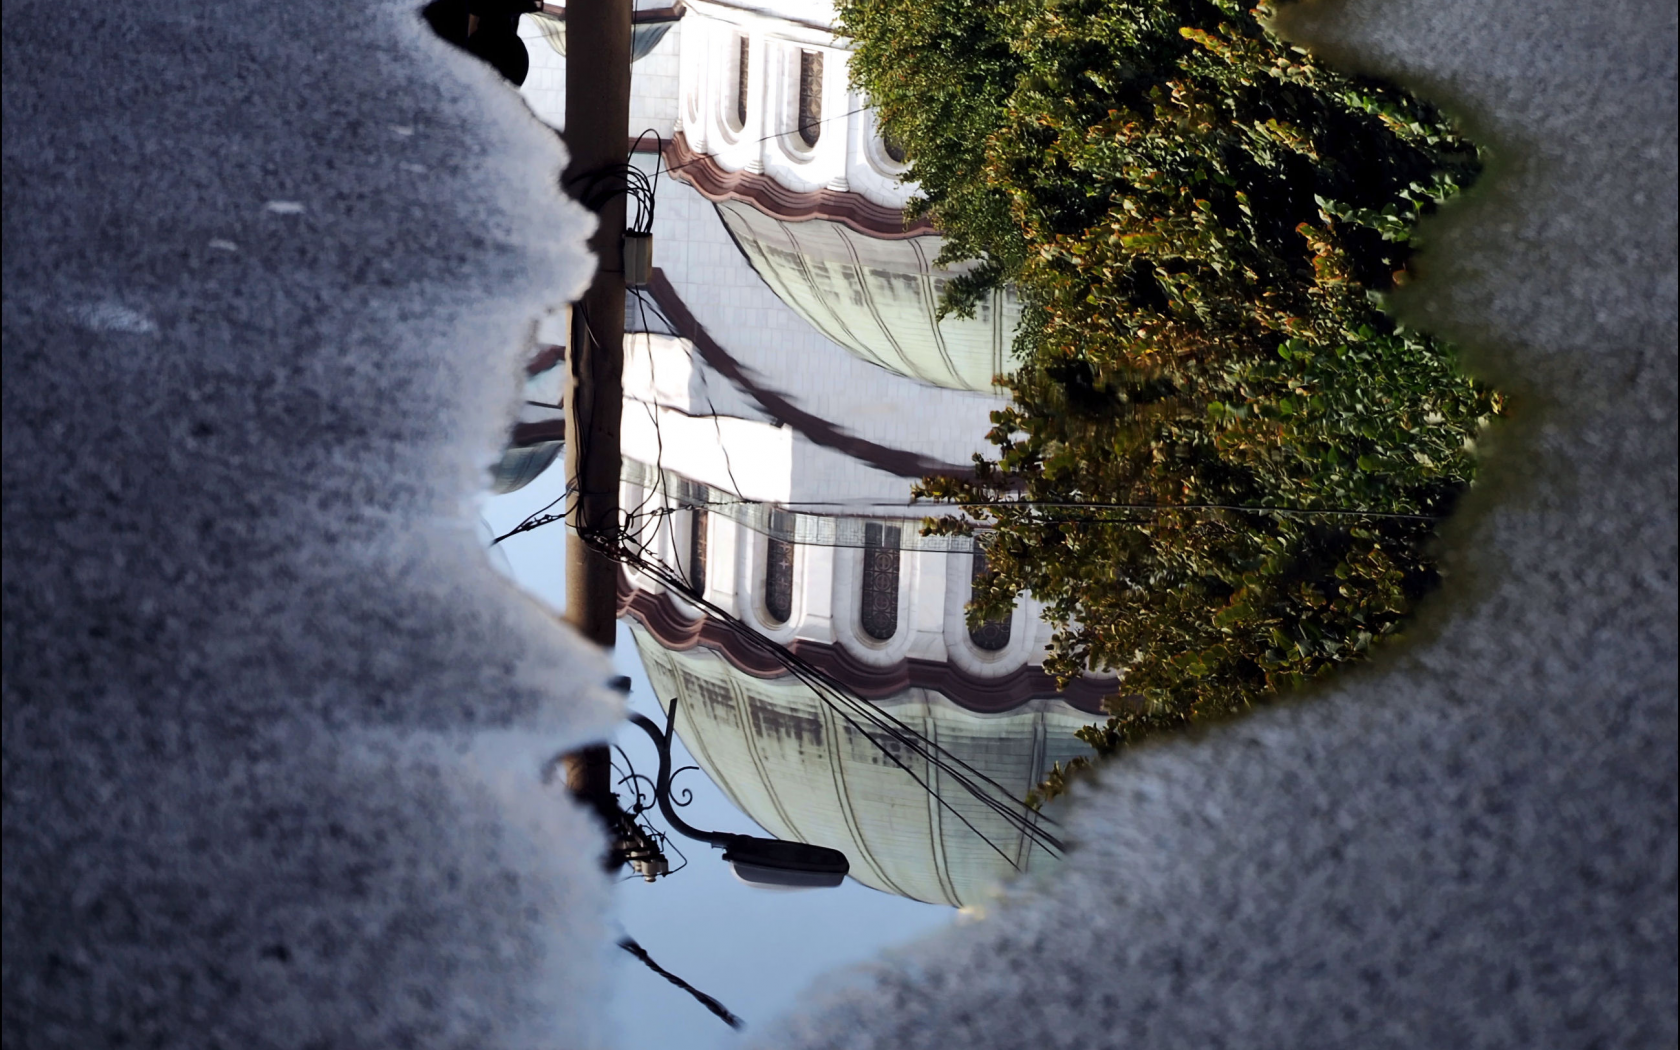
(939, 74)
(1201, 220)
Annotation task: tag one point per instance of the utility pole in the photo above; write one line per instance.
(597, 135)
(597, 119)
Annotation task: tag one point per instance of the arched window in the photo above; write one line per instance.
(778, 568)
(879, 613)
(741, 70)
(697, 551)
(810, 96)
(992, 635)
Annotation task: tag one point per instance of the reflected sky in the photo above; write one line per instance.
(756, 951)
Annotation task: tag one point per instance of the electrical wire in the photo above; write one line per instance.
(767, 138)
(853, 709)
(624, 545)
(644, 304)
(629, 944)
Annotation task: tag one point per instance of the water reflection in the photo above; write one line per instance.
(767, 486)
(759, 513)
(1213, 477)
(938, 822)
(788, 375)
(875, 292)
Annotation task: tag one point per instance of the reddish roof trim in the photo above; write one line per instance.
(672, 630)
(702, 171)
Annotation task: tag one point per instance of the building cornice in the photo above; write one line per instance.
(659, 614)
(713, 182)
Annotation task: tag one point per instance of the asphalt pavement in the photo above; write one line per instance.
(270, 725)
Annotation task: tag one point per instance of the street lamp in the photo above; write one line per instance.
(768, 863)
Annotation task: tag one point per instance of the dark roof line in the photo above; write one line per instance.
(818, 431)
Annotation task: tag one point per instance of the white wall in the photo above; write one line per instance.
(934, 589)
(653, 81)
(787, 354)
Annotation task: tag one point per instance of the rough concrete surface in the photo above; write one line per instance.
(1473, 842)
(272, 729)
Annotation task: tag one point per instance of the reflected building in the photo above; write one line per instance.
(882, 616)
(786, 380)
(769, 130)
(741, 511)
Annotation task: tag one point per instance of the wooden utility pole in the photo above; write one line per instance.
(597, 122)
(597, 116)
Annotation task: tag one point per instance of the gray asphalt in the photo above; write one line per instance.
(271, 726)
(1472, 843)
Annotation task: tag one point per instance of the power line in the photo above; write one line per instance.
(766, 138)
(621, 545)
(629, 944)
(1014, 812)
(1092, 504)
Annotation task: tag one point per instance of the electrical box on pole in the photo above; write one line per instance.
(638, 259)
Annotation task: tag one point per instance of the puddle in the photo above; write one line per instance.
(1151, 546)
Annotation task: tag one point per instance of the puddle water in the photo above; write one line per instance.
(1170, 541)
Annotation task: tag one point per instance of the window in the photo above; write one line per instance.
(741, 86)
(992, 635)
(810, 96)
(697, 551)
(893, 148)
(778, 580)
(778, 569)
(879, 614)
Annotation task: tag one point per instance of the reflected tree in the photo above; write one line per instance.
(1223, 460)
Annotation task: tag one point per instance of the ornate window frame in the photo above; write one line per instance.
(730, 92)
(1025, 635)
(992, 636)
(786, 112)
(875, 150)
(808, 99)
(883, 561)
(779, 567)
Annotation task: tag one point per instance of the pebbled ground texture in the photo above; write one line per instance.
(272, 728)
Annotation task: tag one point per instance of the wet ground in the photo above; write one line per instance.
(273, 735)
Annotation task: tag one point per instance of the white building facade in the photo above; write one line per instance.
(786, 380)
